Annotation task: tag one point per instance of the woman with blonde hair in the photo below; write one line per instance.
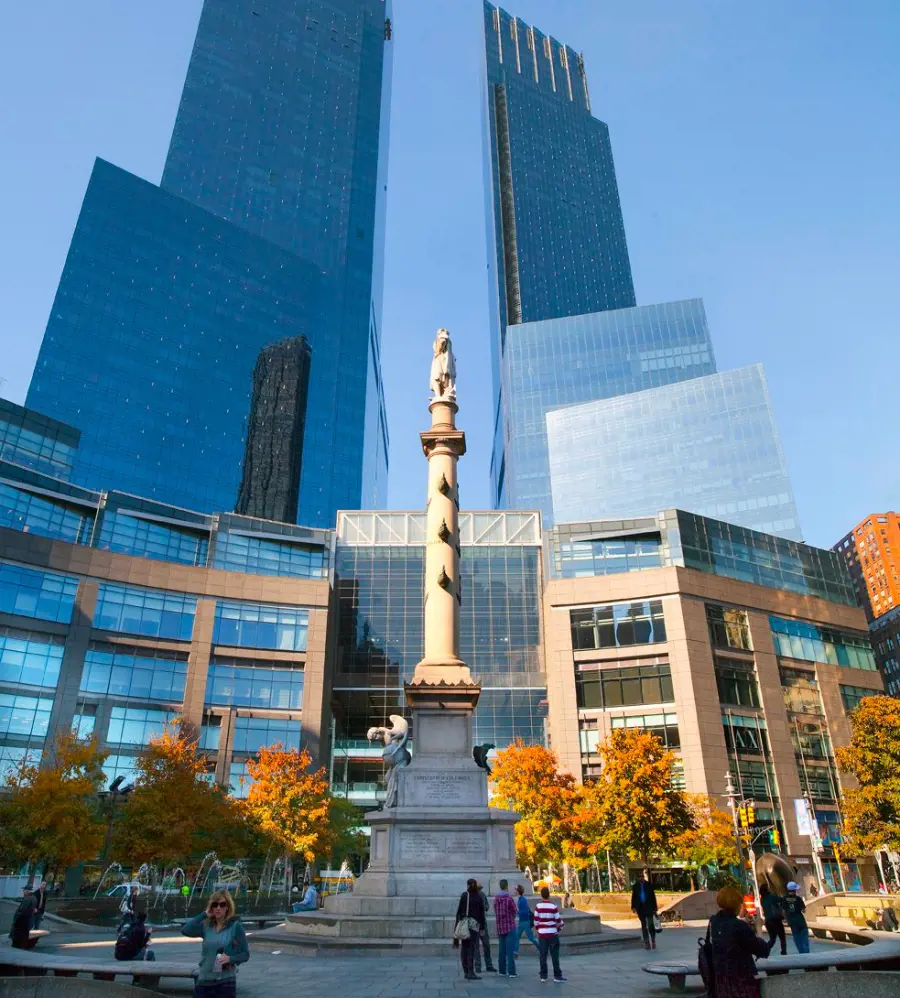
(224, 947)
(734, 946)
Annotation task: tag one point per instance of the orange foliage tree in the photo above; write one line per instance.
(709, 841)
(525, 779)
(633, 807)
(51, 814)
(174, 813)
(872, 808)
(291, 805)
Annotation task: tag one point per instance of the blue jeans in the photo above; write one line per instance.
(549, 944)
(300, 906)
(525, 929)
(145, 954)
(800, 932)
(507, 957)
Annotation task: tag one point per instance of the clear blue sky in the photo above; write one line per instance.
(758, 156)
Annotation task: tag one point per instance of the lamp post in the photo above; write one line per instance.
(111, 797)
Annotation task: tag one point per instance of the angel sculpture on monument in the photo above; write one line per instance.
(443, 367)
(396, 755)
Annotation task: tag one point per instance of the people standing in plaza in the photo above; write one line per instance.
(734, 947)
(224, 947)
(505, 917)
(526, 919)
(773, 915)
(41, 906)
(548, 923)
(128, 907)
(22, 922)
(794, 907)
(471, 906)
(643, 904)
(485, 939)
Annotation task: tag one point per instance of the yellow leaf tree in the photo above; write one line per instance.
(51, 814)
(291, 805)
(636, 809)
(710, 841)
(525, 778)
(174, 814)
(872, 809)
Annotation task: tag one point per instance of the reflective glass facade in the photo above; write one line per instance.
(144, 611)
(379, 584)
(561, 362)
(36, 441)
(31, 593)
(709, 445)
(268, 222)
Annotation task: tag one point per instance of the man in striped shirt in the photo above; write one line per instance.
(547, 924)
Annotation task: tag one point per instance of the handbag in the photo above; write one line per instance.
(465, 926)
(657, 923)
(705, 963)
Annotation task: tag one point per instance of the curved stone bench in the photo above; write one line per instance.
(880, 954)
(15, 962)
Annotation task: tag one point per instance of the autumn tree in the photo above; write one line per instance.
(346, 821)
(710, 840)
(525, 779)
(872, 809)
(633, 805)
(51, 814)
(290, 803)
(174, 813)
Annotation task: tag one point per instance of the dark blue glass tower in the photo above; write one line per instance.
(269, 223)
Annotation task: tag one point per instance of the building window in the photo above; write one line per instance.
(148, 539)
(810, 741)
(753, 779)
(251, 625)
(43, 595)
(745, 735)
(150, 612)
(577, 559)
(624, 687)
(14, 757)
(242, 683)
(664, 725)
(818, 783)
(263, 556)
(239, 781)
(737, 683)
(30, 659)
(84, 720)
(801, 691)
(133, 726)
(24, 717)
(139, 673)
(797, 639)
(210, 732)
(621, 625)
(32, 514)
(120, 765)
(851, 695)
(728, 627)
(253, 733)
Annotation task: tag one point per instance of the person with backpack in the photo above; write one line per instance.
(23, 919)
(727, 954)
(133, 940)
(548, 923)
(224, 947)
(773, 916)
(794, 907)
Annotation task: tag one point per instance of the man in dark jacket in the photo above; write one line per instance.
(485, 938)
(22, 922)
(643, 904)
(133, 940)
(41, 898)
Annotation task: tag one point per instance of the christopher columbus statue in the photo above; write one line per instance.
(443, 367)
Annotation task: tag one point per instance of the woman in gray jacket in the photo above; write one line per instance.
(224, 947)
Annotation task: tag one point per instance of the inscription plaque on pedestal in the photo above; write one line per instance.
(443, 847)
(434, 788)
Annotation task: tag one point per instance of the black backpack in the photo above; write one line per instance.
(705, 962)
(125, 943)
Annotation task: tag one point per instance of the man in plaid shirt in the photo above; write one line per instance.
(505, 914)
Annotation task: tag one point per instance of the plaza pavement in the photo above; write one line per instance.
(610, 973)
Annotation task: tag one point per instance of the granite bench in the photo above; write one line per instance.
(17, 962)
(881, 954)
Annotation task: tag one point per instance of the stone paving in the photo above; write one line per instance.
(613, 972)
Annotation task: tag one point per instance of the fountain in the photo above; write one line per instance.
(209, 856)
(112, 866)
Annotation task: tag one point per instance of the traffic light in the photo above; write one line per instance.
(774, 837)
(751, 814)
(742, 816)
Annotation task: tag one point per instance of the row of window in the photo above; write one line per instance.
(728, 627)
(138, 673)
(43, 595)
(621, 625)
(24, 717)
(797, 639)
(624, 687)
(30, 659)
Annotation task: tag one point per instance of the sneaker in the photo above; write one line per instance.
(492, 970)
(560, 980)
(472, 977)
(543, 980)
(512, 975)
(502, 973)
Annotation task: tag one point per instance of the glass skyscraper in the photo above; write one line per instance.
(269, 223)
(709, 446)
(562, 362)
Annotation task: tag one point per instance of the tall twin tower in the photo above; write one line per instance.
(178, 301)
